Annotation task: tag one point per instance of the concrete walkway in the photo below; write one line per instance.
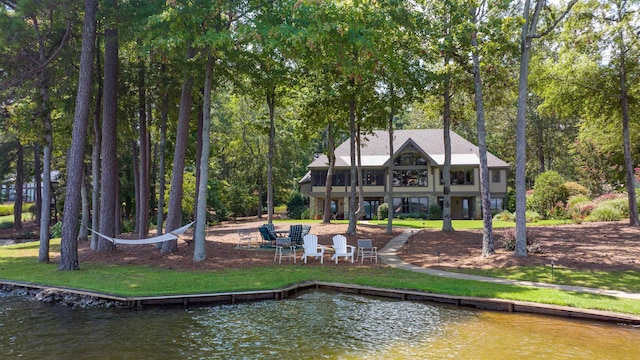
(388, 255)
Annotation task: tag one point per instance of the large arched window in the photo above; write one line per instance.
(410, 169)
(410, 159)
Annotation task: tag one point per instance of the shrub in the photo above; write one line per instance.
(306, 214)
(621, 203)
(505, 215)
(548, 191)
(605, 212)
(575, 189)
(509, 241)
(511, 200)
(56, 230)
(435, 212)
(533, 216)
(383, 211)
(577, 199)
(559, 212)
(6, 209)
(296, 205)
(415, 215)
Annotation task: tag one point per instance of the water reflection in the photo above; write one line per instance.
(313, 325)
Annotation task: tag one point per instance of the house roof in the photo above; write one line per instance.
(428, 142)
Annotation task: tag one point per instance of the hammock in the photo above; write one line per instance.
(171, 235)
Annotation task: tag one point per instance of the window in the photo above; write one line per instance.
(410, 159)
(412, 177)
(495, 176)
(496, 204)
(373, 177)
(410, 205)
(460, 177)
(340, 178)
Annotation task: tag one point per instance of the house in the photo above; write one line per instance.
(417, 175)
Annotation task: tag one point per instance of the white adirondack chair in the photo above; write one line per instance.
(342, 249)
(311, 248)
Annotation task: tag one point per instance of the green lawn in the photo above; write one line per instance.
(19, 262)
(464, 224)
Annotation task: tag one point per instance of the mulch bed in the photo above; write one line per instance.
(609, 246)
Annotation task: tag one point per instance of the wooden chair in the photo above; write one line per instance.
(342, 249)
(311, 248)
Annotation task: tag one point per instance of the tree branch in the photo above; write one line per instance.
(557, 21)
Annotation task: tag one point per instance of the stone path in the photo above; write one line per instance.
(388, 255)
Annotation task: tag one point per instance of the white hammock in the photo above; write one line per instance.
(171, 235)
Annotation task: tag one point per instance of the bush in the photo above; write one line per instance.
(415, 215)
(56, 230)
(548, 191)
(559, 212)
(383, 211)
(6, 209)
(511, 200)
(306, 214)
(605, 212)
(621, 203)
(509, 241)
(435, 212)
(575, 189)
(533, 216)
(505, 215)
(296, 206)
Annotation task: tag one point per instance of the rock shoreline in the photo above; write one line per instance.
(62, 298)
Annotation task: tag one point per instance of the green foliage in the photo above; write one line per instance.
(533, 216)
(549, 192)
(511, 200)
(306, 214)
(435, 212)
(575, 189)
(241, 200)
(505, 215)
(6, 209)
(383, 211)
(410, 216)
(56, 230)
(296, 205)
(605, 212)
(217, 197)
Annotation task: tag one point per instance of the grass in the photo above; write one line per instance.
(628, 281)
(19, 263)
(465, 224)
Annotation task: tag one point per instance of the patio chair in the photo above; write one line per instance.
(342, 249)
(305, 229)
(244, 238)
(295, 234)
(285, 248)
(367, 250)
(311, 248)
(268, 237)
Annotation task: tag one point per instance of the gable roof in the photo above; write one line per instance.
(428, 142)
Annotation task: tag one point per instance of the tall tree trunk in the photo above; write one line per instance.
(634, 220)
(37, 179)
(198, 158)
(488, 247)
(83, 232)
(271, 102)
(360, 212)
(200, 252)
(109, 173)
(446, 170)
(391, 161)
(143, 205)
(161, 172)
(174, 216)
(17, 204)
(135, 169)
(528, 28)
(95, 154)
(351, 229)
(331, 154)
(75, 159)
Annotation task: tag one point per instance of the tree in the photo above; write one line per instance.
(529, 32)
(75, 160)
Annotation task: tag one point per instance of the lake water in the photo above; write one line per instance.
(312, 325)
